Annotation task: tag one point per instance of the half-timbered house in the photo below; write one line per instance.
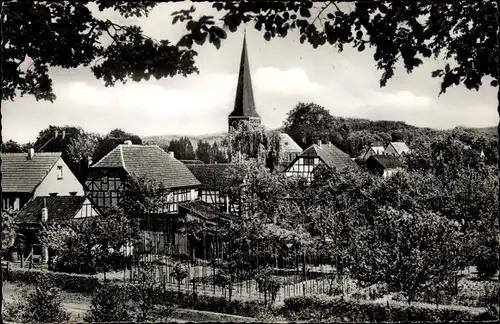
(317, 154)
(107, 178)
(215, 178)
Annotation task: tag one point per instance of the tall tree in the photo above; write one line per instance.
(308, 122)
(112, 140)
(12, 147)
(204, 152)
(218, 153)
(182, 148)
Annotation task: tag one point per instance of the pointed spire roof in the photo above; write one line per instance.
(244, 104)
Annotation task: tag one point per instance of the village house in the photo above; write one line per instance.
(397, 149)
(372, 150)
(383, 165)
(107, 178)
(317, 154)
(28, 175)
(215, 178)
(41, 212)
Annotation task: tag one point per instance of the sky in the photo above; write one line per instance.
(284, 72)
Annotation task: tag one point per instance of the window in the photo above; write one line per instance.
(59, 172)
(308, 161)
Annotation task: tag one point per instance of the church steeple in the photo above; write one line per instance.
(244, 104)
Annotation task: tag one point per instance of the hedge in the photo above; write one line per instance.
(294, 308)
(70, 282)
(336, 309)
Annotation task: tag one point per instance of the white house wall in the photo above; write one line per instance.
(86, 211)
(301, 168)
(63, 187)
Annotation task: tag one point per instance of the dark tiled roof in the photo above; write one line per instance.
(203, 210)
(331, 155)
(192, 161)
(386, 161)
(22, 175)
(212, 176)
(244, 104)
(149, 161)
(60, 209)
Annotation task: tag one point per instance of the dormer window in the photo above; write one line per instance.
(59, 172)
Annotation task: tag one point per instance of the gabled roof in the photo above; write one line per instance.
(331, 155)
(400, 147)
(20, 174)
(375, 149)
(212, 176)
(60, 209)
(385, 161)
(203, 210)
(244, 103)
(149, 161)
(289, 144)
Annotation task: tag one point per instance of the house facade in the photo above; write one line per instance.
(106, 179)
(289, 148)
(106, 183)
(28, 175)
(318, 154)
(214, 179)
(384, 165)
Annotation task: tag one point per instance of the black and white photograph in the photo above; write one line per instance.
(249, 161)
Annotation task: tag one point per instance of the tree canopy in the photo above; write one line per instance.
(462, 32)
(68, 35)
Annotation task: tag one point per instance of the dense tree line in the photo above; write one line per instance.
(307, 123)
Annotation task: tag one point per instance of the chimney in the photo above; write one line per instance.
(128, 142)
(329, 143)
(89, 160)
(171, 153)
(319, 143)
(45, 211)
(56, 133)
(31, 153)
(63, 134)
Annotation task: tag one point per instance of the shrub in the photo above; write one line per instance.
(68, 282)
(322, 309)
(110, 303)
(269, 286)
(42, 304)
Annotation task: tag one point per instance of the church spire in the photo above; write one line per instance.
(244, 104)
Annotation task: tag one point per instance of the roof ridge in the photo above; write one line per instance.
(121, 157)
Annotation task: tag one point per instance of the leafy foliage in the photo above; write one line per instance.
(92, 244)
(412, 253)
(407, 32)
(182, 148)
(12, 147)
(110, 303)
(252, 140)
(69, 35)
(41, 304)
(112, 140)
(9, 229)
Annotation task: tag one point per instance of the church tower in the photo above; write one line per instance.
(244, 104)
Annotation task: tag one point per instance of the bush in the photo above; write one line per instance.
(110, 303)
(42, 304)
(68, 282)
(322, 309)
